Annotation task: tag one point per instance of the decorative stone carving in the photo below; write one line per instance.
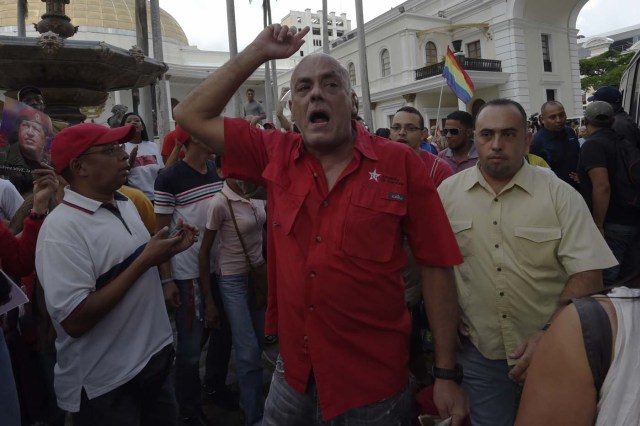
(118, 111)
(137, 54)
(409, 98)
(50, 42)
(105, 51)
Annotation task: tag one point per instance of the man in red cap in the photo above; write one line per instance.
(97, 265)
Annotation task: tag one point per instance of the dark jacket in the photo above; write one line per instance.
(624, 125)
(560, 150)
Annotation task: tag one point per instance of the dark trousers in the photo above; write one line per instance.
(146, 400)
(219, 350)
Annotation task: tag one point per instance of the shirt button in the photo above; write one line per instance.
(306, 338)
(312, 274)
(276, 224)
(312, 308)
(497, 246)
(325, 204)
(318, 239)
(495, 199)
(502, 293)
(499, 269)
(504, 316)
(315, 175)
(495, 222)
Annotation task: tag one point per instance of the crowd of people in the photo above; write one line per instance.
(498, 242)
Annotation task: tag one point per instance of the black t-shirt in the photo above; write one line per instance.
(599, 150)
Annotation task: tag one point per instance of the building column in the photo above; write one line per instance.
(575, 71)
(408, 41)
(509, 39)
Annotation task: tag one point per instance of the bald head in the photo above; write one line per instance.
(315, 59)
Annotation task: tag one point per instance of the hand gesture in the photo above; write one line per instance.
(44, 186)
(162, 247)
(279, 41)
(523, 353)
(132, 156)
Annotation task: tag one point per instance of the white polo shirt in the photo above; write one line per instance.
(82, 246)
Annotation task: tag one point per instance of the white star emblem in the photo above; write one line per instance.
(374, 175)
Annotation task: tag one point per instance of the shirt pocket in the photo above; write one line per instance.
(537, 246)
(463, 230)
(288, 196)
(372, 226)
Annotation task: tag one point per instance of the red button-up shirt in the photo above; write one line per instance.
(336, 296)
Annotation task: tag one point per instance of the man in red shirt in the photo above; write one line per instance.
(340, 202)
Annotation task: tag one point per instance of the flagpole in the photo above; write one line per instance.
(439, 103)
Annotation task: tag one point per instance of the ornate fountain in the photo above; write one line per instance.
(72, 74)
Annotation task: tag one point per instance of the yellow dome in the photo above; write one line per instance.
(118, 14)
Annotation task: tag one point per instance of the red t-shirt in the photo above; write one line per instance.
(437, 168)
(336, 295)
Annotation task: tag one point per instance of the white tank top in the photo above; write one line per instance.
(619, 402)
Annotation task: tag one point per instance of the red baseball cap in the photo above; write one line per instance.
(31, 114)
(72, 141)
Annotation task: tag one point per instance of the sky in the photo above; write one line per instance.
(205, 21)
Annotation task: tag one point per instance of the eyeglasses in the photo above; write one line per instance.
(111, 150)
(409, 129)
(453, 131)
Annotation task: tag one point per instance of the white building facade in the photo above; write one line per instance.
(525, 50)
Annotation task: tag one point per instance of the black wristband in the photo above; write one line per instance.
(448, 374)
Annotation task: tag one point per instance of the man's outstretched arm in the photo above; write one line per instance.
(199, 113)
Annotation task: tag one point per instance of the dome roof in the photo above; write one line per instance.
(118, 14)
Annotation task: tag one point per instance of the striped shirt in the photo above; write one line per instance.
(184, 193)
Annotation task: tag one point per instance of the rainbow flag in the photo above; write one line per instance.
(457, 79)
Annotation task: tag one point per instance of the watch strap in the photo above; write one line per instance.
(448, 373)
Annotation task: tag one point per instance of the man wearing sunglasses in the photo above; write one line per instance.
(102, 289)
(461, 153)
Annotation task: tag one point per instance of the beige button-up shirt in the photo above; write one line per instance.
(520, 247)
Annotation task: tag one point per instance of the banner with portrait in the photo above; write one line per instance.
(25, 137)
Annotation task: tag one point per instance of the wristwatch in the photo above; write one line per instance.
(448, 373)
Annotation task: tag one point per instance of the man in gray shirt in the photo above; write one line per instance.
(253, 110)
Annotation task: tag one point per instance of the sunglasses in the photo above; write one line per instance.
(454, 132)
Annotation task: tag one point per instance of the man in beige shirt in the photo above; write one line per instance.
(528, 243)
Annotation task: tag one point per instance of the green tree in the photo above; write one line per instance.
(602, 70)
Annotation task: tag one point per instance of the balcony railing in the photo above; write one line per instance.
(470, 64)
